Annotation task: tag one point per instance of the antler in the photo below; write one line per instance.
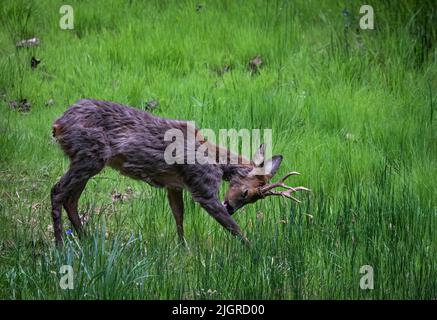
(266, 190)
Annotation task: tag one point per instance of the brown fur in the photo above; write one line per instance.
(96, 133)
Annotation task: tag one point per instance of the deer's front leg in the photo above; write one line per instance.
(176, 202)
(214, 207)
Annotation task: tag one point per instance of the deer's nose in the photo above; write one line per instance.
(229, 208)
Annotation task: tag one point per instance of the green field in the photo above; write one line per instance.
(353, 110)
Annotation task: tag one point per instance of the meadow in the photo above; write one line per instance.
(353, 110)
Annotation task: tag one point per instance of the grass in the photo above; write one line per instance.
(352, 110)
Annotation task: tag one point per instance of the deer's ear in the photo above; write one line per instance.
(272, 165)
(258, 157)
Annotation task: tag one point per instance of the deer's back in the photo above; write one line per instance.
(121, 125)
(128, 139)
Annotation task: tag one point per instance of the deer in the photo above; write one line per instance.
(97, 133)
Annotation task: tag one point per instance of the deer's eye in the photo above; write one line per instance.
(245, 193)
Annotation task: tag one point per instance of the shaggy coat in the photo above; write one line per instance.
(95, 133)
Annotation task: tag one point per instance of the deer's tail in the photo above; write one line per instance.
(56, 129)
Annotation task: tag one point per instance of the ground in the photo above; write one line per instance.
(353, 110)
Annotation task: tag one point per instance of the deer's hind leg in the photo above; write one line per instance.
(88, 153)
(67, 192)
(70, 205)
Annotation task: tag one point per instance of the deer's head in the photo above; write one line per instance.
(253, 184)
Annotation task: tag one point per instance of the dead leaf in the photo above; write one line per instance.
(255, 64)
(36, 206)
(23, 105)
(28, 42)
(152, 104)
(123, 196)
(50, 102)
(34, 62)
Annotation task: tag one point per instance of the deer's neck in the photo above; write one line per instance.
(232, 170)
(235, 165)
(232, 164)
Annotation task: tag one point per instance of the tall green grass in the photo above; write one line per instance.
(352, 110)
